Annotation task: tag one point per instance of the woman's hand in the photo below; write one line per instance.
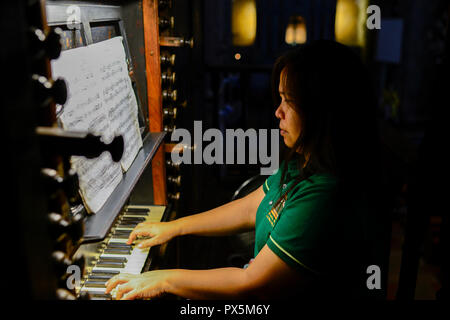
(160, 232)
(130, 286)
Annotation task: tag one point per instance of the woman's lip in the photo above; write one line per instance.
(283, 132)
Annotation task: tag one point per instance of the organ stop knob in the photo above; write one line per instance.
(76, 143)
(170, 95)
(166, 23)
(175, 180)
(167, 59)
(45, 90)
(170, 112)
(168, 77)
(45, 45)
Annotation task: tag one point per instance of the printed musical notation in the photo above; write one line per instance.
(100, 100)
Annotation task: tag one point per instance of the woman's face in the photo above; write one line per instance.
(290, 125)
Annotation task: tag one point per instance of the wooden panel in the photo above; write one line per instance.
(153, 69)
(159, 178)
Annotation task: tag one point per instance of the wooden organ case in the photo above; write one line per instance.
(81, 250)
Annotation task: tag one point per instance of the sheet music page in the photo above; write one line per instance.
(118, 95)
(101, 101)
(84, 110)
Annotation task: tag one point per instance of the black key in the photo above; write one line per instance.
(117, 251)
(133, 219)
(100, 277)
(113, 259)
(104, 272)
(110, 264)
(95, 284)
(119, 245)
(127, 225)
(122, 231)
(123, 251)
(130, 222)
(121, 236)
(119, 248)
(136, 213)
(139, 210)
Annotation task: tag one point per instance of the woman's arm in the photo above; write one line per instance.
(236, 216)
(267, 277)
(233, 217)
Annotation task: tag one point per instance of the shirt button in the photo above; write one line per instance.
(284, 186)
(270, 202)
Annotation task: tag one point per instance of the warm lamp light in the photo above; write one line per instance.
(295, 31)
(243, 22)
(290, 34)
(350, 22)
(300, 32)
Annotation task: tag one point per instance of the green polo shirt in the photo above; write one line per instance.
(297, 231)
(317, 228)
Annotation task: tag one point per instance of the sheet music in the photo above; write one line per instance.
(100, 100)
(118, 95)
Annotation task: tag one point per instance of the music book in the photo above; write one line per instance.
(100, 100)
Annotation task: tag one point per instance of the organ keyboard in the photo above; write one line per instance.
(113, 256)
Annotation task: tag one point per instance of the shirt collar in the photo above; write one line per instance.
(292, 169)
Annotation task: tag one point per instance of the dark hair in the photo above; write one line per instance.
(331, 91)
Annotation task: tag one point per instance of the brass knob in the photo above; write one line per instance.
(168, 77)
(187, 42)
(163, 4)
(169, 95)
(173, 165)
(167, 58)
(166, 23)
(174, 196)
(175, 180)
(170, 112)
(169, 128)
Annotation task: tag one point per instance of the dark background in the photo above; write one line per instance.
(412, 93)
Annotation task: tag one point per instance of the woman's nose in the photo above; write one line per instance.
(279, 112)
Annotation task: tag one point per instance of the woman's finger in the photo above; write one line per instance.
(148, 243)
(122, 289)
(136, 233)
(139, 230)
(114, 281)
(131, 295)
(132, 236)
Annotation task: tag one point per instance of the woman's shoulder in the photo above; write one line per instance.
(313, 200)
(318, 182)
